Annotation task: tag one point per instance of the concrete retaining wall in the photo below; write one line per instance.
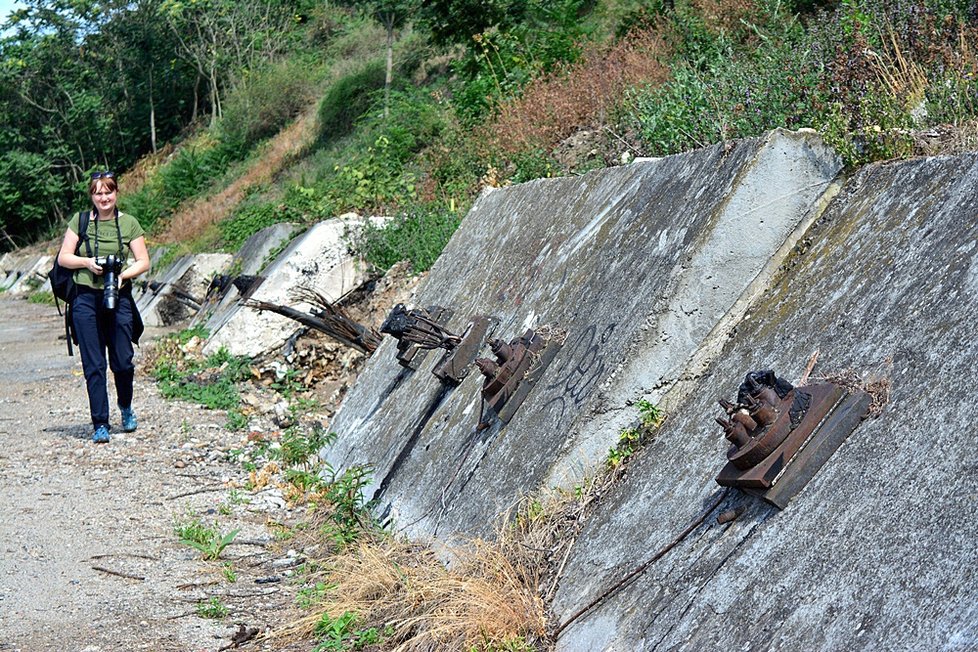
(645, 260)
(880, 550)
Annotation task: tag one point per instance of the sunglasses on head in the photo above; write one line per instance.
(103, 175)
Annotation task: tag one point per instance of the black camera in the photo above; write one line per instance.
(111, 268)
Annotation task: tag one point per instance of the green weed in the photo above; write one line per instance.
(213, 609)
(236, 420)
(299, 449)
(208, 541)
(210, 382)
(628, 441)
(651, 416)
(340, 634)
(42, 297)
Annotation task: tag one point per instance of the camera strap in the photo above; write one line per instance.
(118, 233)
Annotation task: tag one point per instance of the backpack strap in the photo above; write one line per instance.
(68, 327)
(118, 234)
(83, 219)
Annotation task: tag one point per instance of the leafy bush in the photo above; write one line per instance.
(264, 102)
(192, 169)
(349, 98)
(418, 236)
(576, 96)
(30, 192)
(862, 75)
(499, 63)
(246, 222)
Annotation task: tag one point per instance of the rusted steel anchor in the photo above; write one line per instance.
(418, 331)
(780, 435)
(518, 366)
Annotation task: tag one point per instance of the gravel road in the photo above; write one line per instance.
(89, 560)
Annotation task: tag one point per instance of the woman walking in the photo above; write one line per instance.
(105, 321)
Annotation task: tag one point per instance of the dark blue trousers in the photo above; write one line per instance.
(100, 331)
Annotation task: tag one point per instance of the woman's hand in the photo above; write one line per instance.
(92, 266)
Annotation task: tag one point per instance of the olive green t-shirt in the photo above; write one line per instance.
(108, 243)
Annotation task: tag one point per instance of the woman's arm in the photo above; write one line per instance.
(141, 264)
(69, 260)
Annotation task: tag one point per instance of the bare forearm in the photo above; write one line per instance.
(134, 270)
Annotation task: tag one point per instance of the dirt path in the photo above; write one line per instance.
(89, 560)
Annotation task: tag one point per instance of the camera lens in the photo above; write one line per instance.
(111, 296)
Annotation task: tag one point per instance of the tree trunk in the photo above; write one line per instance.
(152, 112)
(193, 115)
(390, 68)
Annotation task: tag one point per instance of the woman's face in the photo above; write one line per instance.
(103, 198)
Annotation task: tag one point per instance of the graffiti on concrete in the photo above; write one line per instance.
(582, 368)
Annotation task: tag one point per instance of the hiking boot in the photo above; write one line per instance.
(128, 419)
(101, 435)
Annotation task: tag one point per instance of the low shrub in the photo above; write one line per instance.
(576, 96)
(264, 102)
(866, 75)
(418, 236)
(181, 373)
(247, 221)
(349, 98)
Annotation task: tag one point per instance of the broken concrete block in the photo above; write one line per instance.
(34, 273)
(318, 259)
(177, 294)
(249, 260)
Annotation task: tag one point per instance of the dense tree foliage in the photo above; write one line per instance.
(88, 84)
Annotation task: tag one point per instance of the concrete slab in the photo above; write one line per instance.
(250, 259)
(317, 259)
(33, 274)
(880, 550)
(180, 290)
(645, 260)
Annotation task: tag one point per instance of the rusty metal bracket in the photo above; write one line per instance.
(518, 366)
(782, 435)
(454, 365)
(417, 331)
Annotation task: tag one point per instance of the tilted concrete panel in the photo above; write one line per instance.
(34, 276)
(318, 259)
(880, 549)
(646, 258)
(182, 288)
(248, 260)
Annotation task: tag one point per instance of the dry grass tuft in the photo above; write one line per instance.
(196, 218)
(725, 16)
(579, 96)
(902, 77)
(133, 180)
(479, 598)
